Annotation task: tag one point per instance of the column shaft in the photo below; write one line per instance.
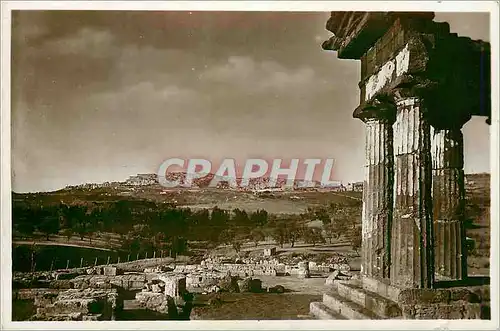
(411, 237)
(377, 199)
(448, 204)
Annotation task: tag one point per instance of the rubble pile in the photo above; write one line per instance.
(40, 296)
(341, 271)
(157, 301)
(249, 284)
(91, 293)
(80, 305)
(129, 281)
(165, 294)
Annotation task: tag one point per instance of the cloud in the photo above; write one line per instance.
(142, 105)
(86, 41)
(258, 77)
(147, 90)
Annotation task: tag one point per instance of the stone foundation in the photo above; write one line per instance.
(157, 302)
(369, 298)
(75, 304)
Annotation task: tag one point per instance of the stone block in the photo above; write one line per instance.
(455, 310)
(175, 286)
(343, 267)
(424, 296)
(111, 271)
(270, 251)
(332, 277)
(303, 269)
(61, 284)
(92, 318)
(464, 294)
(381, 288)
(244, 285)
(276, 289)
(66, 275)
(155, 288)
(229, 284)
(255, 285)
(45, 300)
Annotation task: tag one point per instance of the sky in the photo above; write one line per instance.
(99, 96)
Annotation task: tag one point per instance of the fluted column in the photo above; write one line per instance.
(378, 116)
(411, 235)
(377, 198)
(448, 203)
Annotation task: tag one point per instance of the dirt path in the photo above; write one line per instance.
(54, 243)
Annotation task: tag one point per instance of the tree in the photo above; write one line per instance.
(49, 225)
(179, 246)
(356, 239)
(342, 218)
(313, 236)
(68, 233)
(279, 235)
(293, 231)
(260, 217)
(219, 217)
(81, 228)
(322, 215)
(26, 228)
(227, 236)
(23, 220)
(240, 217)
(257, 235)
(331, 232)
(236, 244)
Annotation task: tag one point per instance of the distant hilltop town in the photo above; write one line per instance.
(261, 184)
(256, 185)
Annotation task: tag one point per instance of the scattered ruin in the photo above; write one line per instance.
(100, 292)
(419, 85)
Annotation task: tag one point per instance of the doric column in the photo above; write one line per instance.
(377, 190)
(448, 203)
(411, 236)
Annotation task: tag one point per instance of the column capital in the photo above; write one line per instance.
(380, 108)
(440, 115)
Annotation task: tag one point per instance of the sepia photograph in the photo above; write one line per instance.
(200, 164)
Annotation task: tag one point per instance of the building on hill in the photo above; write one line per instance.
(355, 187)
(142, 179)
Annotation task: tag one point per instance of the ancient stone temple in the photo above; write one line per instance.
(419, 85)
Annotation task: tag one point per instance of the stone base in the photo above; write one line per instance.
(373, 299)
(323, 312)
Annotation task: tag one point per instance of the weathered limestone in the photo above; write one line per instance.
(158, 302)
(412, 245)
(175, 285)
(377, 197)
(87, 304)
(304, 270)
(252, 285)
(111, 271)
(270, 251)
(448, 199)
